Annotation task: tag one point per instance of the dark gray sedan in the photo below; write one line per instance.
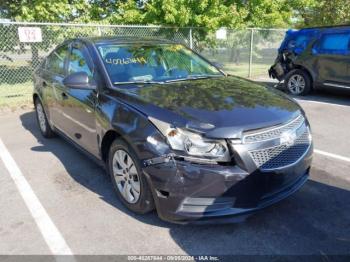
(174, 132)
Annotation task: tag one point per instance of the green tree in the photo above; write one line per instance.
(269, 13)
(211, 14)
(43, 11)
(324, 13)
(39, 11)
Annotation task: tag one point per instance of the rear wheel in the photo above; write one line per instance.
(298, 83)
(44, 126)
(128, 180)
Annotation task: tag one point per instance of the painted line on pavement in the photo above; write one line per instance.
(49, 231)
(343, 158)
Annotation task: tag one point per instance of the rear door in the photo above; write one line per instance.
(332, 58)
(53, 83)
(79, 104)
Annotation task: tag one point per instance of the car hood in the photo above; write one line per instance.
(221, 107)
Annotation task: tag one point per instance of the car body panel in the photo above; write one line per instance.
(133, 126)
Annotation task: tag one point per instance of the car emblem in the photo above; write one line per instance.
(288, 138)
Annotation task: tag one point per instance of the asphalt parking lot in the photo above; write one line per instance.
(78, 198)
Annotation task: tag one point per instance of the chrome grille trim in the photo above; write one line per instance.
(274, 132)
(282, 156)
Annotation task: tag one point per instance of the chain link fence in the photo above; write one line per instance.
(247, 53)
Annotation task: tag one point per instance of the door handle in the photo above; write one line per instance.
(64, 95)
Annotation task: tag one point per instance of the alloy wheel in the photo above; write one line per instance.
(41, 117)
(296, 84)
(126, 176)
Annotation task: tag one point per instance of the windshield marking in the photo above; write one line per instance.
(125, 61)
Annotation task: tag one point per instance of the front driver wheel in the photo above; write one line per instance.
(44, 126)
(298, 83)
(128, 180)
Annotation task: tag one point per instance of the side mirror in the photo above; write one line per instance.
(78, 80)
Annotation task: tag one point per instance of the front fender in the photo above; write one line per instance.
(132, 126)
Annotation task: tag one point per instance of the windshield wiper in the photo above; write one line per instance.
(192, 77)
(205, 76)
(137, 82)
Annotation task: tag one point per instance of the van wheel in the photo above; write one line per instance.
(298, 83)
(43, 123)
(128, 180)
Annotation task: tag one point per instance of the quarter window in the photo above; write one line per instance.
(334, 43)
(56, 60)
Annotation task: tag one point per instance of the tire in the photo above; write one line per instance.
(43, 123)
(125, 171)
(298, 82)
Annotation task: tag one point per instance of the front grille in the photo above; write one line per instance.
(283, 154)
(272, 133)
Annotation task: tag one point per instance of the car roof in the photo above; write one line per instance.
(345, 26)
(314, 31)
(124, 40)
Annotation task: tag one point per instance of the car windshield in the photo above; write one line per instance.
(153, 63)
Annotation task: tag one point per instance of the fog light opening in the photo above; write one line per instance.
(162, 193)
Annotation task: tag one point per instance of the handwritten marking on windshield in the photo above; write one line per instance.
(125, 61)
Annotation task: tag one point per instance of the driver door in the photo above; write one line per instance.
(79, 104)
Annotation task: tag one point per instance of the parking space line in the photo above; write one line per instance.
(343, 158)
(49, 231)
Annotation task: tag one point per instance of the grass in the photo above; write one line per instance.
(15, 96)
(261, 62)
(16, 63)
(258, 70)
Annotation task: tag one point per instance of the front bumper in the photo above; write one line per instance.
(277, 71)
(185, 192)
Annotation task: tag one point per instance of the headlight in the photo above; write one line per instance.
(193, 144)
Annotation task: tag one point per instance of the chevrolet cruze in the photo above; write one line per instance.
(174, 132)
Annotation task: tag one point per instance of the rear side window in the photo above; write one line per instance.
(334, 44)
(55, 62)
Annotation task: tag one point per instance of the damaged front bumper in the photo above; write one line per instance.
(284, 63)
(277, 71)
(186, 192)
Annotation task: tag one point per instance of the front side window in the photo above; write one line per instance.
(56, 60)
(158, 63)
(78, 62)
